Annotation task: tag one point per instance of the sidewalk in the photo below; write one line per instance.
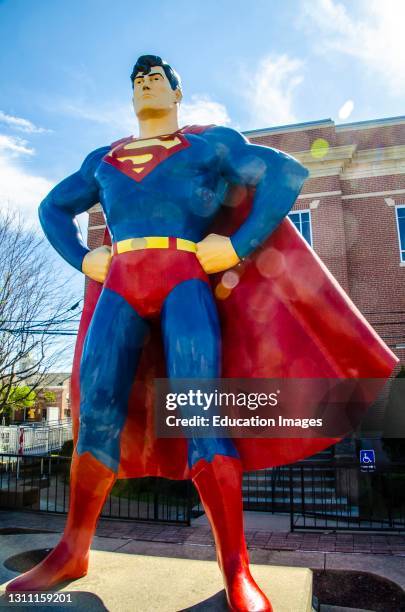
(200, 533)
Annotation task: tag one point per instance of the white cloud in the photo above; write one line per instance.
(20, 189)
(15, 145)
(203, 111)
(374, 36)
(346, 110)
(23, 191)
(271, 92)
(19, 123)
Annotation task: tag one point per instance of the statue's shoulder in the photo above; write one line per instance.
(220, 134)
(196, 129)
(121, 141)
(92, 161)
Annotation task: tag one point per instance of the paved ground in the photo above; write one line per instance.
(258, 534)
(125, 582)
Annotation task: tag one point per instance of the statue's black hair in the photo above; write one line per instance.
(144, 63)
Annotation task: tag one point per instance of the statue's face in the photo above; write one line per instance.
(153, 95)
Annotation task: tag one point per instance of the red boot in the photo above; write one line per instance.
(90, 483)
(219, 484)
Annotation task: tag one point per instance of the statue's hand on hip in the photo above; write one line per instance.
(216, 253)
(97, 263)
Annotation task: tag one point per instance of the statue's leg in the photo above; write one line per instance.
(192, 345)
(110, 356)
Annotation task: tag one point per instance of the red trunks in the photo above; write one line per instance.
(144, 278)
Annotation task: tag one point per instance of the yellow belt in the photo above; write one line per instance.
(154, 242)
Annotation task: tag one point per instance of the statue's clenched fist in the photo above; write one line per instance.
(216, 253)
(96, 263)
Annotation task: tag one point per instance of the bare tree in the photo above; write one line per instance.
(35, 309)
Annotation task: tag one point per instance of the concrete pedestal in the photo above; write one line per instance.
(122, 582)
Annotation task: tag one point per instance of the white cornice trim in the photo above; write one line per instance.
(95, 227)
(349, 163)
(373, 171)
(319, 194)
(373, 194)
(376, 162)
(334, 162)
(381, 153)
(343, 152)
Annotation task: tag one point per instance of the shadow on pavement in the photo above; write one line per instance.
(215, 603)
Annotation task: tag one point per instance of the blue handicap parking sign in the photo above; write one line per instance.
(367, 457)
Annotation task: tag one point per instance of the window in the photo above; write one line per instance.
(400, 213)
(302, 221)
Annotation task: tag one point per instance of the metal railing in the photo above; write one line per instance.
(267, 490)
(35, 438)
(41, 483)
(343, 497)
(326, 497)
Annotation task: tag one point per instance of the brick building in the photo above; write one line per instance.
(352, 210)
(57, 406)
(355, 206)
(52, 399)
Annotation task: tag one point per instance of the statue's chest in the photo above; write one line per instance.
(139, 158)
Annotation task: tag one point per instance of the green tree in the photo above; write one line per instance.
(17, 398)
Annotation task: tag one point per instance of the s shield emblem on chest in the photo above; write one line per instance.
(137, 158)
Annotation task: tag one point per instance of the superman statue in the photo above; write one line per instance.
(152, 310)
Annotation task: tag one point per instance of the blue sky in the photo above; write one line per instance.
(65, 68)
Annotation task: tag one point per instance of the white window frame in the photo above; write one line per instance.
(401, 251)
(308, 210)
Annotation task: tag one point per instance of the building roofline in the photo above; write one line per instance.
(310, 125)
(293, 127)
(371, 123)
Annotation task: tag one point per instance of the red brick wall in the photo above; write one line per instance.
(97, 218)
(95, 236)
(322, 184)
(372, 138)
(373, 184)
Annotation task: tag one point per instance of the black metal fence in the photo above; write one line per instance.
(267, 490)
(316, 496)
(343, 497)
(32, 482)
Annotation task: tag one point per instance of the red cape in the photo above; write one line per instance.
(286, 318)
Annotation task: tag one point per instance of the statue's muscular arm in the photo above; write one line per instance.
(277, 179)
(72, 196)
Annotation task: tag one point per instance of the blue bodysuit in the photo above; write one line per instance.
(168, 188)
